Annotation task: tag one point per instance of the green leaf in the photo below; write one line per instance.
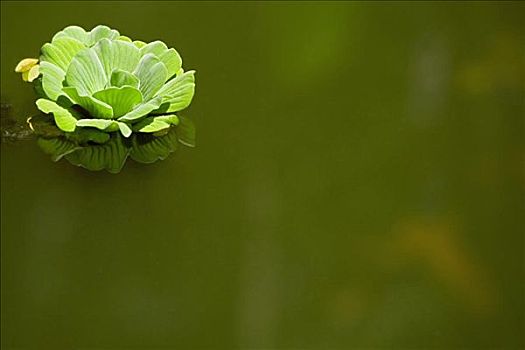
(117, 55)
(142, 110)
(170, 119)
(124, 129)
(86, 73)
(105, 125)
(172, 61)
(61, 51)
(186, 132)
(95, 107)
(156, 124)
(147, 148)
(110, 156)
(150, 125)
(121, 78)
(52, 79)
(74, 32)
(102, 32)
(63, 118)
(156, 48)
(178, 92)
(122, 100)
(170, 57)
(101, 124)
(56, 147)
(152, 74)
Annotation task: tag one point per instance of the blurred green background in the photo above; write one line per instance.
(358, 182)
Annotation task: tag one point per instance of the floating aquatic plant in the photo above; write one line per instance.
(105, 97)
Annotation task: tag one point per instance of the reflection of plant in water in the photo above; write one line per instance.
(106, 97)
(10, 129)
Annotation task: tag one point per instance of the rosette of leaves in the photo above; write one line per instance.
(105, 97)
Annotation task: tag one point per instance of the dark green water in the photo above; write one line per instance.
(359, 183)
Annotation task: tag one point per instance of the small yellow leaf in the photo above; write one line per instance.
(34, 72)
(25, 65)
(25, 75)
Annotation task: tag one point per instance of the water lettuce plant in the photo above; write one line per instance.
(105, 97)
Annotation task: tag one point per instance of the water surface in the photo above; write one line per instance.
(358, 183)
